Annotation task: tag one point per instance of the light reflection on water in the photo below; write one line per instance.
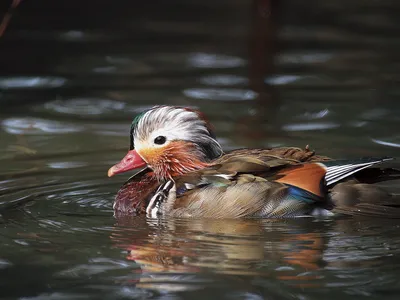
(217, 61)
(220, 94)
(304, 58)
(390, 142)
(31, 82)
(85, 106)
(67, 164)
(223, 79)
(31, 125)
(309, 126)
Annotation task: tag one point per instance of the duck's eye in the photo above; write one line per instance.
(160, 140)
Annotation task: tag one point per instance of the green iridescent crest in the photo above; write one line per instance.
(133, 126)
(136, 120)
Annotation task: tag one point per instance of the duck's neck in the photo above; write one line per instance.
(178, 168)
(182, 160)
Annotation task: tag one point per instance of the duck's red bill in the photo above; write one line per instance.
(132, 160)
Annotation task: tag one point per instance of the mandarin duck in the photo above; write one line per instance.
(185, 173)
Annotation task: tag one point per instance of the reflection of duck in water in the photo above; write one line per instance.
(188, 175)
(173, 250)
(181, 254)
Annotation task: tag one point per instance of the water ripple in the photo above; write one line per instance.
(67, 164)
(38, 126)
(283, 79)
(73, 35)
(31, 82)
(208, 60)
(389, 141)
(309, 115)
(375, 114)
(68, 35)
(96, 266)
(4, 264)
(305, 58)
(105, 69)
(104, 64)
(57, 296)
(223, 79)
(310, 126)
(85, 106)
(220, 94)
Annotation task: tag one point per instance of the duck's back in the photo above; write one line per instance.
(292, 155)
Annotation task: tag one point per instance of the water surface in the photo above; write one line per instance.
(72, 77)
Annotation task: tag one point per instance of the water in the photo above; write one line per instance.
(73, 76)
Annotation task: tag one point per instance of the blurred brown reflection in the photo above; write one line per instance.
(296, 252)
(7, 17)
(234, 247)
(263, 47)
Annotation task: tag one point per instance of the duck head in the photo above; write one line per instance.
(171, 141)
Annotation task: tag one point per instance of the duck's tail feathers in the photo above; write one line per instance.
(337, 170)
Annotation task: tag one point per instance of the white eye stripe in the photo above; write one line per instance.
(164, 120)
(172, 128)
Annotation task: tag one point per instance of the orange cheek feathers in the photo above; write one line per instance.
(152, 155)
(176, 158)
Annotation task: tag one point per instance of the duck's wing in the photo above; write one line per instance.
(236, 167)
(347, 186)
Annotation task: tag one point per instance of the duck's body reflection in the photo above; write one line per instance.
(283, 249)
(176, 253)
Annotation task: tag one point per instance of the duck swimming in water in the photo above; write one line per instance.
(185, 173)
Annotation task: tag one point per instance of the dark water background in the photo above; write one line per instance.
(267, 73)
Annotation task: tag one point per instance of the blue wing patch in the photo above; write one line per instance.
(302, 195)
